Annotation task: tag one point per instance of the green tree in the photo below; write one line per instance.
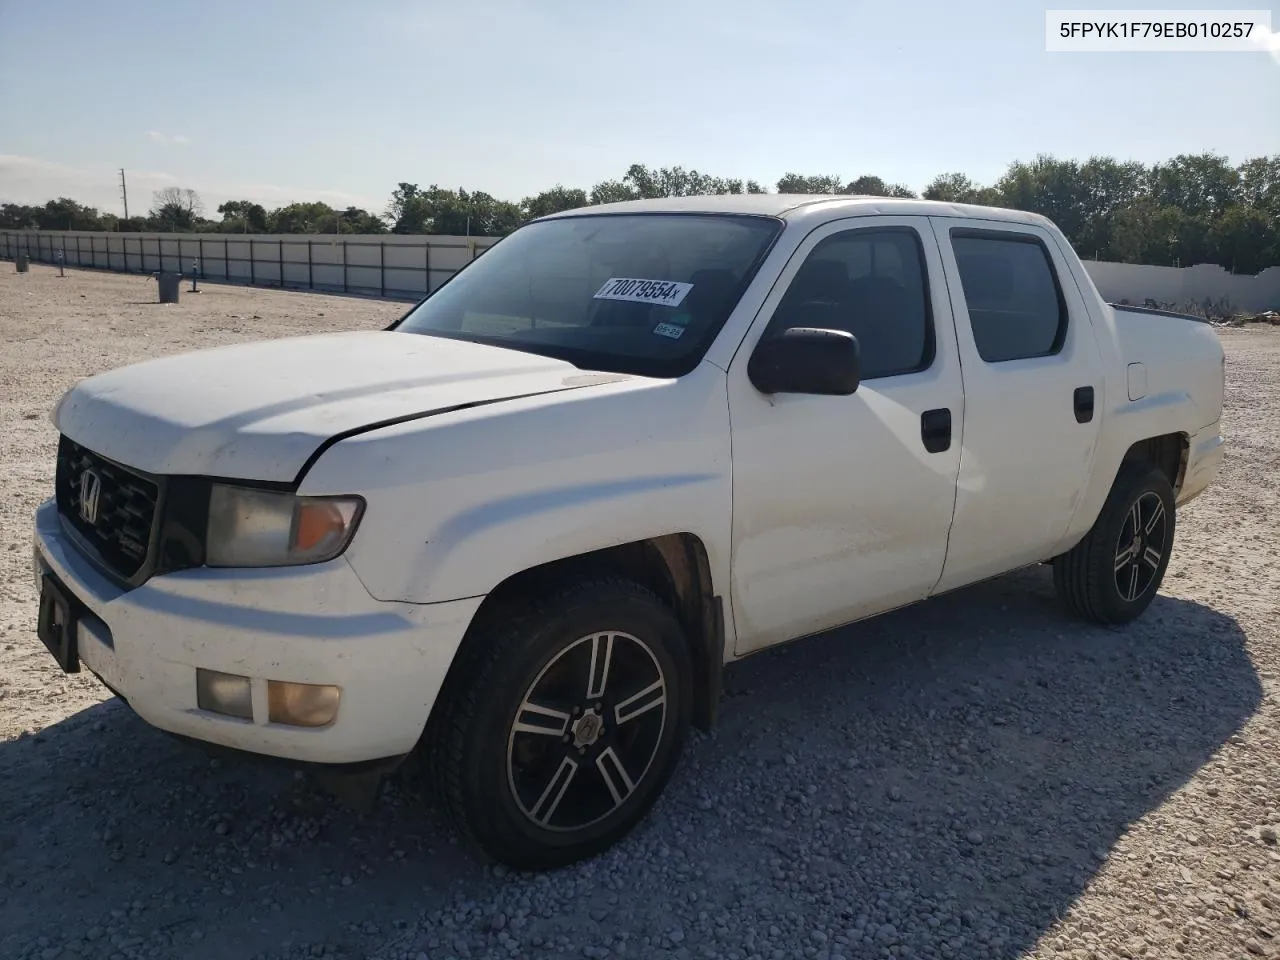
(18, 216)
(556, 200)
(176, 208)
(871, 186)
(641, 182)
(1193, 208)
(612, 191)
(957, 188)
(801, 183)
(242, 216)
(1049, 187)
(359, 220)
(409, 210)
(66, 214)
(1149, 233)
(729, 185)
(1260, 183)
(679, 182)
(474, 214)
(1240, 239)
(1201, 185)
(1107, 186)
(313, 217)
(649, 184)
(451, 212)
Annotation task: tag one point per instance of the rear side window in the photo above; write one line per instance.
(872, 283)
(1015, 304)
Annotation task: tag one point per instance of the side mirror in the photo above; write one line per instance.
(806, 360)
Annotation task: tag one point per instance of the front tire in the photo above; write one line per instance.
(1113, 574)
(563, 725)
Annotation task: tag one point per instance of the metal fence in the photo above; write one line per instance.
(408, 267)
(392, 266)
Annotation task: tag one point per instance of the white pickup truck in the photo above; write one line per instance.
(522, 530)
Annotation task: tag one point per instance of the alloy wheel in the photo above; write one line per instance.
(587, 731)
(1141, 546)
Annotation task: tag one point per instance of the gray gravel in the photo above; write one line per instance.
(976, 777)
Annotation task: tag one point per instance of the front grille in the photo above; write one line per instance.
(119, 531)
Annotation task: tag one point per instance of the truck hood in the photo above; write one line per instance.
(258, 411)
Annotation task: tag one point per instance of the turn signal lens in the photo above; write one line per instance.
(317, 525)
(302, 704)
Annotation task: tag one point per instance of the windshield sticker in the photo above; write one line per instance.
(663, 293)
(669, 330)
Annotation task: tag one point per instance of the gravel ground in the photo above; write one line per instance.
(976, 777)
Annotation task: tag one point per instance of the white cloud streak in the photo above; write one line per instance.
(1269, 42)
(35, 180)
(168, 139)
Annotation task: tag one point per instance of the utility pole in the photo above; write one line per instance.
(124, 194)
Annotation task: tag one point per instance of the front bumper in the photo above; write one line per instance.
(313, 624)
(1204, 460)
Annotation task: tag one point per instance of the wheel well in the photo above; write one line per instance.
(1168, 452)
(673, 566)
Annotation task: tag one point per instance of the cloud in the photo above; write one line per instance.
(273, 195)
(1268, 41)
(36, 180)
(167, 139)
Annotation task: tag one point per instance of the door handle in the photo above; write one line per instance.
(935, 430)
(1083, 401)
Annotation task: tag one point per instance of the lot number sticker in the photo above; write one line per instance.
(663, 293)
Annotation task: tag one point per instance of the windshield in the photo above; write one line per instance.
(632, 293)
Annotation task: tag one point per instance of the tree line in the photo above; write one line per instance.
(1191, 209)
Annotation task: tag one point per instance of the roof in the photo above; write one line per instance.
(792, 205)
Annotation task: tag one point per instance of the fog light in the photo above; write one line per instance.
(224, 693)
(302, 704)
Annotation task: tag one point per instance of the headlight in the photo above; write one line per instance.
(261, 528)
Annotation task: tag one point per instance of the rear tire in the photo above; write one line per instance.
(1113, 574)
(563, 724)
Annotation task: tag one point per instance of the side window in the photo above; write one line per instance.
(1016, 308)
(871, 283)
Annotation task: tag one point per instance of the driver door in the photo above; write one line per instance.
(842, 504)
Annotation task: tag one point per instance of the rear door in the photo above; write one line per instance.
(1033, 381)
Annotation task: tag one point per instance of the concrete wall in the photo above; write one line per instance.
(374, 265)
(408, 267)
(1205, 285)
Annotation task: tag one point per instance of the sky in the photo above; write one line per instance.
(334, 100)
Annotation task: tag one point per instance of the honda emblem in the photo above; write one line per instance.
(90, 491)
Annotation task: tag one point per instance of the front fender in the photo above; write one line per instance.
(457, 504)
(474, 550)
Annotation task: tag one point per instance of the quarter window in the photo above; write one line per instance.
(1016, 308)
(873, 284)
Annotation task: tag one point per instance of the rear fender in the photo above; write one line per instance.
(1123, 426)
